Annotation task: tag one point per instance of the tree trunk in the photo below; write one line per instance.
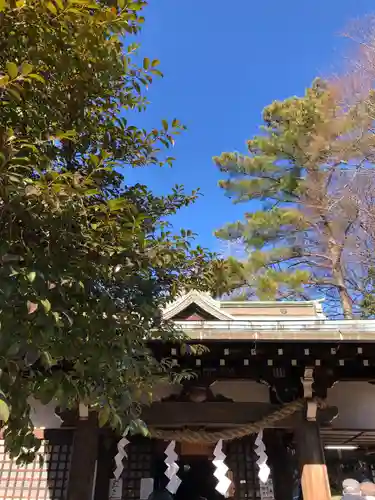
(339, 280)
(346, 302)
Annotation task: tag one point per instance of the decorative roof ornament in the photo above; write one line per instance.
(202, 300)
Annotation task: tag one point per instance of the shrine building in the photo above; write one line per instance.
(282, 407)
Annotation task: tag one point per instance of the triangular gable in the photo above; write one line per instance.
(202, 300)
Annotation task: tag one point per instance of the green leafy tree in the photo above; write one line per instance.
(86, 262)
(302, 241)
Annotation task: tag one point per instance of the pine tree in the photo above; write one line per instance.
(301, 169)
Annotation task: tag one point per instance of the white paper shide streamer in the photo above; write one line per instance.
(221, 469)
(260, 450)
(121, 454)
(115, 489)
(172, 468)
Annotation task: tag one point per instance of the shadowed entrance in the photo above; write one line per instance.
(198, 480)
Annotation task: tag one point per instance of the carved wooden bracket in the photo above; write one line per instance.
(307, 382)
(83, 411)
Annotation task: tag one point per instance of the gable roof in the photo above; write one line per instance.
(202, 300)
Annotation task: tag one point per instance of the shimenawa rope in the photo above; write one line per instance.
(204, 436)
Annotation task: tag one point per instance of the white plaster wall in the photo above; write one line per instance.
(44, 416)
(355, 400)
(356, 404)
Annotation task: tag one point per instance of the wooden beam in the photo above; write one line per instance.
(314, 476)
(172, 414)
(219, 414)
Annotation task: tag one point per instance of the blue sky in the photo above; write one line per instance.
(223, 62)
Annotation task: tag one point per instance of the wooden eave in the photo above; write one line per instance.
(285, 330)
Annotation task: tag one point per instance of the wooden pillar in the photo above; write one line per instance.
(107, 450)
(84, 456)
(281, 463)
(314, 476)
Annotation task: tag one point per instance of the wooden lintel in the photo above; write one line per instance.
(219, 414)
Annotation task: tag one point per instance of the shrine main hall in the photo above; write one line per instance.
(281, 407)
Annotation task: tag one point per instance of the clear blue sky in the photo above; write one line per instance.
(223, 62)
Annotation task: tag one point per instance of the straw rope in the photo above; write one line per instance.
(205, 436)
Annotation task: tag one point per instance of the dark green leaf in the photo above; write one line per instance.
(116, 204)
(14, 93)
(4, 80)
(35, 76)
(46, 304)
(146, 63)
(31, 276)
(51, 7)
(12, 69)
(103, 416)
(47, 359)
(26, 68)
